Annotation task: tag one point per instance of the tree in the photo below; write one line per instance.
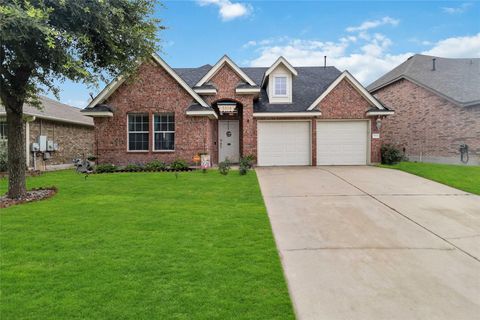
(80, 40)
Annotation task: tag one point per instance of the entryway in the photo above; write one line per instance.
(229, 140)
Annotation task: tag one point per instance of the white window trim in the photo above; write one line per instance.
(128, 132)
(153, 130)
(275, 85)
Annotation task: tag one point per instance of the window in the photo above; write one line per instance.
(280, 88)
(3, 130)
(164, 132)
(138, 132)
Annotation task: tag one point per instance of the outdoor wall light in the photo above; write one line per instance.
(379, 123)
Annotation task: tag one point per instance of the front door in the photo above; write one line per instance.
(228, 140)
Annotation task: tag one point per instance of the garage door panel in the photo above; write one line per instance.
(342, 142)
(283, 143)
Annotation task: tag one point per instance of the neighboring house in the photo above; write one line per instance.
(283, 115)
(437, 108)
(57, 132)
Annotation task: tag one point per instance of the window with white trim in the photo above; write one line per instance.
(280, 86)
(138, 132)
(164, 132)
(3, 130)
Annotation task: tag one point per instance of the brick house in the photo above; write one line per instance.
(282, 115)
(61, 133)
(437, 108)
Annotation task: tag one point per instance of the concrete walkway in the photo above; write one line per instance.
(373, 243)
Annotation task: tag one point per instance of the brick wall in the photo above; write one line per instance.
(429, 127)
(152, 91)
(74, 141)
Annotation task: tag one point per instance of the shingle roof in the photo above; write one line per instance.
(455, 79)
(310, 83)
(56, 111)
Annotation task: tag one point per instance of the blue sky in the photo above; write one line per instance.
(367, 38)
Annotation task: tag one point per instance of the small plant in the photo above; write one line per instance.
(133, 168)
(224, 167)
(179, 164)
(105, 168)
(245, 164)
(3, 155)
(156, 165)
(91, 158)
(247, 161)
(390, 154)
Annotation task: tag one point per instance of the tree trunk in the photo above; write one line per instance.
(16, 153)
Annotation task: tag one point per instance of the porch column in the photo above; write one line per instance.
(249, 132)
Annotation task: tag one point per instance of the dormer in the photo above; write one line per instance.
(278, 80)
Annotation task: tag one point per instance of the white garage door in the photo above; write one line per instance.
(342, 143)
(283, 143)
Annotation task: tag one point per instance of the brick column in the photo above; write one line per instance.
(249, 134)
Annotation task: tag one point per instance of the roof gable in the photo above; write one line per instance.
(354, 82)
(113, 86)
(224, 60)
(284, 62)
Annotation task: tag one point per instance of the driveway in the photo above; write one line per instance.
(373, 243)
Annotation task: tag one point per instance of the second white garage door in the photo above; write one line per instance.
(283, 143)
(342, 142)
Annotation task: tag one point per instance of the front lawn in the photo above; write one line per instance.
(141, 246)
(466, 178)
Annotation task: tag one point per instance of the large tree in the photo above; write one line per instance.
(80, 40)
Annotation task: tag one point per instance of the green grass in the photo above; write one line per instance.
(466, 178)
(141, 246)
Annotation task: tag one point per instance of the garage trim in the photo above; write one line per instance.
(291, 120)
(369, 134)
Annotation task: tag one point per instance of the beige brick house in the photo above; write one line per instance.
(437, 108)
(55, 134)
(281, 114)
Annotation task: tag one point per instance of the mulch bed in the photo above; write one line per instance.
(36, 194)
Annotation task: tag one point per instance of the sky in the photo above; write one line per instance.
(366, 38)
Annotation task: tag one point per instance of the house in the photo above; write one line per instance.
(281, 114)
(55, 134)
(437, 108)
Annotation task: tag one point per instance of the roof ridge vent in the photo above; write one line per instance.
(433, 64)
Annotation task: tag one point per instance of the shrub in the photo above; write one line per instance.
(245, 164)
(91, 158)
(105, 168)
(224, 167)
(133, 168)
(390, 154)
(179, 164)
(247, 161)
(3, 155)
(156, 165)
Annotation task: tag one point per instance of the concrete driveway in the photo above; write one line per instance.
(373, 243)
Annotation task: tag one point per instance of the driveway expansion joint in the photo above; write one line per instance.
(404, 216)
(369, 248)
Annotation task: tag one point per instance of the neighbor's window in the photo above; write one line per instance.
(280, 86)
(138, 132)
(3, 130)
(164, 132)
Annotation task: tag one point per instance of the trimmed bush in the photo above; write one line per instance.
(105, 168)
(155, 165)
(133, 168)
(179, 164)
(390, 154)
(224, 167)
(3, 155)
(247, 161)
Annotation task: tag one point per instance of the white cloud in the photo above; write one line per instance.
(228, 10)
(370, 24)
(457, 10)
(367, 57)
(457, 47)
